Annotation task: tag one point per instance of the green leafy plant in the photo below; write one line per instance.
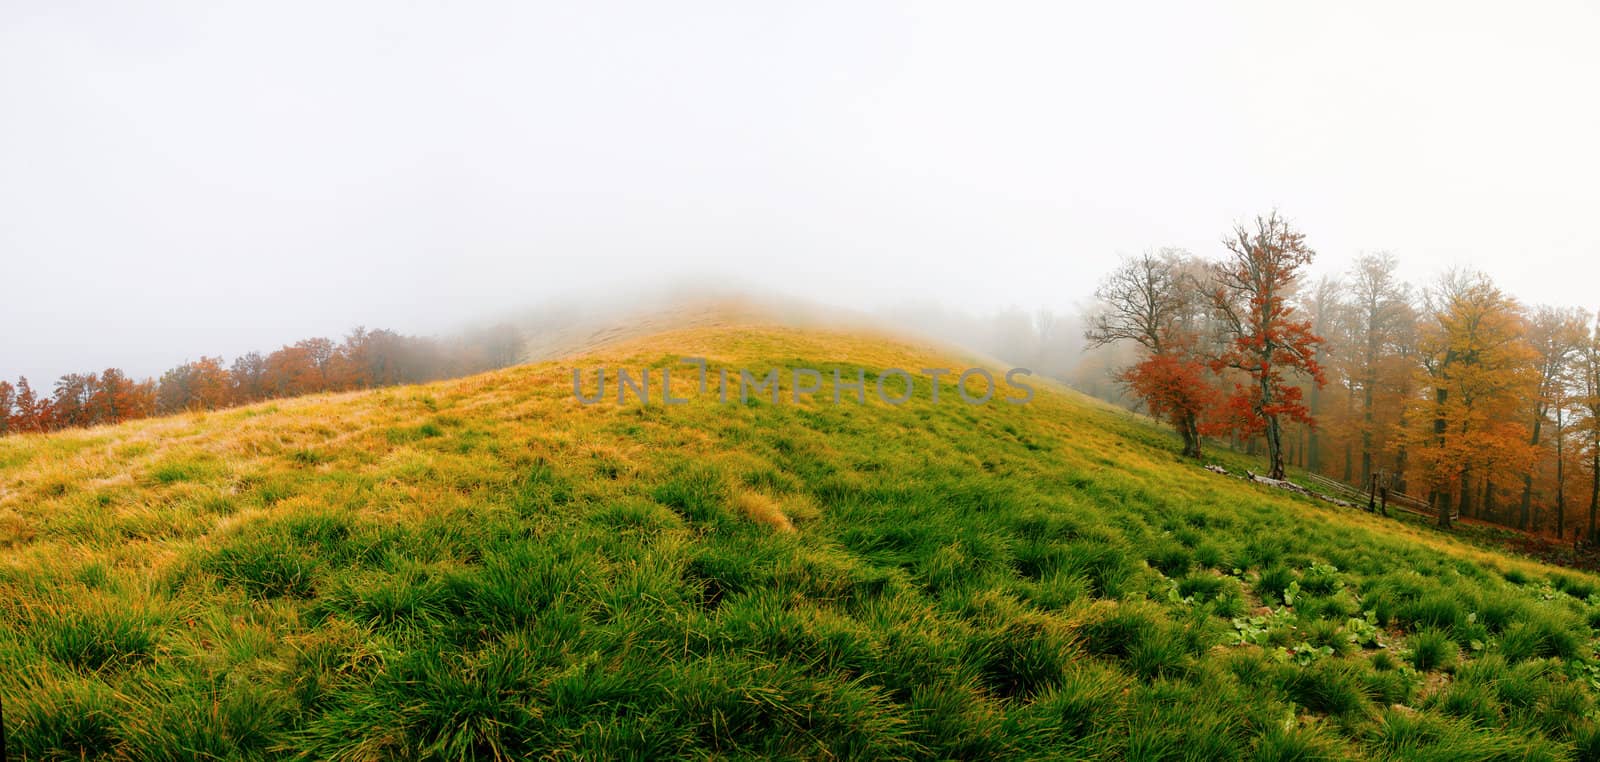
(1302, 653)
(1257, 630)
(1322, 579)
(1364, 631)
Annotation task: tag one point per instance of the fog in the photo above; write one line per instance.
(179, 179)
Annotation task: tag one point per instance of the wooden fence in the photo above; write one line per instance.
(1397, 499)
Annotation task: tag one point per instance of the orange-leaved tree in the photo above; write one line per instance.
(1480, 369)
(8, 407)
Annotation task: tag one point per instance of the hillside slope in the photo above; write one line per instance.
(484, 568)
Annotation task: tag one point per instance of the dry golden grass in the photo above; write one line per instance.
(763, 510)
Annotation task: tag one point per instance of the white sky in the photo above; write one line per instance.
(180, 179)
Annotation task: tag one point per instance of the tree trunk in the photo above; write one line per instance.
(1313, 440)
(1275, 469)
(1561, 478)
(1275, 448)
(1366, 427)
(1440, 395)
(1398, 481)
(1594, 490)
(1191, 436)
(1349, 455)
(1526, 517)
(1525, 512)
(1486, 506)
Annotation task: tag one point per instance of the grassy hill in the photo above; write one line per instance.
(484, 568)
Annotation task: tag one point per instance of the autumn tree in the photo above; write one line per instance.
(1477, 366)
(1383, 328)
(1250, 292)
(291, 371)
(1589, 401)
(248, 376)
(1324, 308)
(113, 398)
(1566, 401)
(500, 345)
(365, 359)
(212, 388)
(199, 385)
(70, 402)
(1556, 337)
(122, 399)
(320, 353)
(8, 407)
(369, 358)
(31, 414)
(174, 392)
(1149, 300)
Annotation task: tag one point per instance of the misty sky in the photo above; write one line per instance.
(179, 179)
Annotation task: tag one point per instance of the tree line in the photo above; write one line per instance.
(1455, 392)
(365, 359)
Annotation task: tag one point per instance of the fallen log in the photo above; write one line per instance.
(1286, 485)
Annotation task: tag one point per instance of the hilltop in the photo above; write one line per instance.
(486, 568)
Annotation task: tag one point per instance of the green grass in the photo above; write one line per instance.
(483, 569)
(1432, 650)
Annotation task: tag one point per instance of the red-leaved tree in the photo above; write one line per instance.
(1150, 300)
(1250, 293)
(1176, 387)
